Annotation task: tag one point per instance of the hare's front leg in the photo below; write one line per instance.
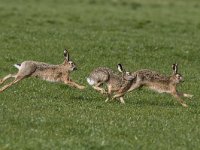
(73, 84)
(120, 96)
(10, 84)
(176, 95)
(185, 95)
(109, 93)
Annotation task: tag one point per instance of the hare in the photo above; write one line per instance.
(115, 83)
(44, 71)
(160, 83)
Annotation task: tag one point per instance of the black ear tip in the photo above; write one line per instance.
(120, 66)
(174, 65)
(65, 53)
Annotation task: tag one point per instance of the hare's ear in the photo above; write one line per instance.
(120, 68)
(175, 68)
(66, 55)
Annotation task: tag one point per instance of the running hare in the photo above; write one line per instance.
(160, 83)
(115, 83)
(44, 71)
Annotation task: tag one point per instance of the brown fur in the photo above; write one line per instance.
(160, 83)
(116, 83)
(44, 71)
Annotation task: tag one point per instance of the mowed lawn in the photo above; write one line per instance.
(39, 115)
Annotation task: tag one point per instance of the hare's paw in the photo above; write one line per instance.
(107, 99)
(184, 105)
(81, 87)
(188, 95)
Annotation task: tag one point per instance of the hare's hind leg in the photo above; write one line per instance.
(101, 90)
(7, 77)
(25, 71)
(120, 96)
(10, 84)
(98, 88)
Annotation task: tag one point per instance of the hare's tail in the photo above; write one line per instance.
(90, 81)
(17, 66)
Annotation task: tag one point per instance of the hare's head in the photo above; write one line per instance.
(128, 76)
(125, 75)
(70, 65)
(176, 77)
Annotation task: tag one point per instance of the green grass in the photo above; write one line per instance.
(35, 114)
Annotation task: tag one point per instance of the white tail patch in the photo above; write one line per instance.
(90, 81)
(17, 66)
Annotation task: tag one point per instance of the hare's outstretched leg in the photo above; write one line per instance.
(185, 95)
(7, 77)
(74, 84)
(178, 98)
(25, 70)
(10, 84)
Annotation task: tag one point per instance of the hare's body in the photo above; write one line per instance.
(44, 71)
(102, 75)
(115, 83)
(153, 80)
(159, 83)
(99, 76)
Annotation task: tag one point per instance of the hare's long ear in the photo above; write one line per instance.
(120, 68)
(66, 55)
(175, 68)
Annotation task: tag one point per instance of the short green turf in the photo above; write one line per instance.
(38, 115)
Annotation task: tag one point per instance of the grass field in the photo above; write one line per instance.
(139, 34)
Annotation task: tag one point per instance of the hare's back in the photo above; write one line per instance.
(150, 75)
(100, 74)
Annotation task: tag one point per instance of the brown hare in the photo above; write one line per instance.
(44, 71)
(159, 83)
(115, 83)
